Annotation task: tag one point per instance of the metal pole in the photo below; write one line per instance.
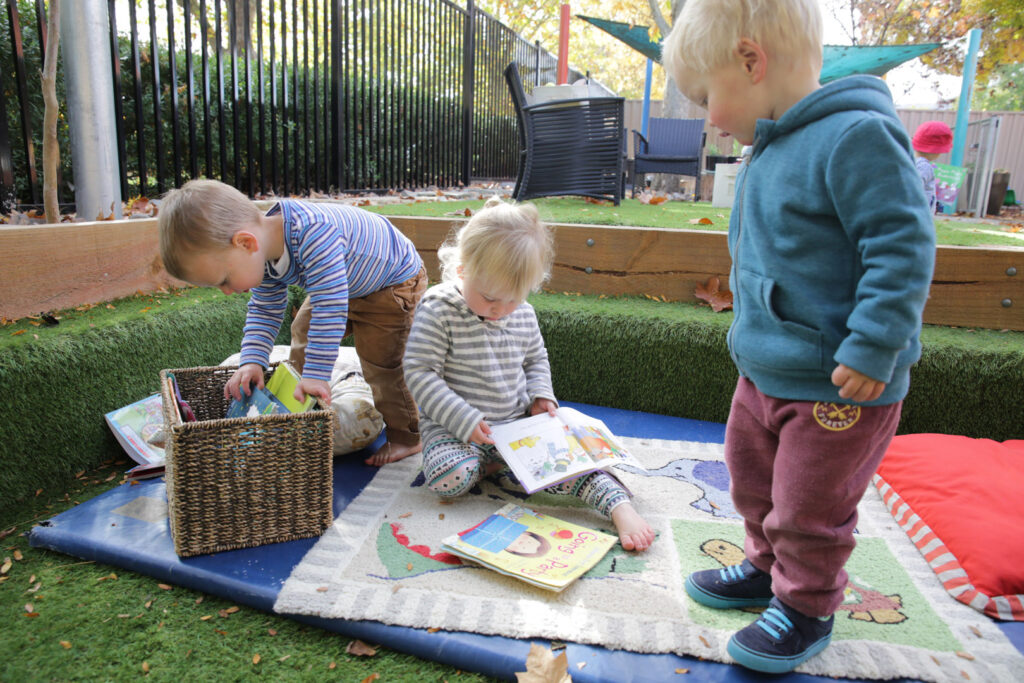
(563, 45)
(963, 109)
(468, 77)
(645, 117)
(90, 94)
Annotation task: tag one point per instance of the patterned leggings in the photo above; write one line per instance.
(452, 467)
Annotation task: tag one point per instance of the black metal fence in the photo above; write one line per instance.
(281, 96)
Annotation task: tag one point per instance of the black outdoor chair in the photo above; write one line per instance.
(671, 146)
(567, 147)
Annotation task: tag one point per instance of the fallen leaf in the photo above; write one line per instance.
(705, 641)
(332, 666)
(433, 629)
(145, 667)
(29, 607)
(7, 532)
(65, 644)
(964, 655)
(404, 515)
(360, 649)
(199, 600)
(256, 658)
(976, 631)
(543, 667)
(321, 589)
(658, 199)
(6, 566)
(206, 617)
(148, 604)
(374, 676)
(441, 516)
(682, 671)
(36, 587)
(281, 659)
(720, 300)
(271, 631)
(232, 609)
(17, 555)
(408, 567)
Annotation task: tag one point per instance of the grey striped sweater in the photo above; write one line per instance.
(461, 369)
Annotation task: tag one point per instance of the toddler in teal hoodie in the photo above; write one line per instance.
(832, 249)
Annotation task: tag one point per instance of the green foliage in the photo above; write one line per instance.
(1004, 90)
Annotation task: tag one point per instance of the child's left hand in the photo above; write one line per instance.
(855, 386)
(312, 387)
(543, 405)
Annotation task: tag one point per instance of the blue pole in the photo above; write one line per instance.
(963, 109)
(647, 98)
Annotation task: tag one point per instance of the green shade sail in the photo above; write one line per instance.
(839, 60)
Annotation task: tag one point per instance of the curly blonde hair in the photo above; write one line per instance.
(504, 246)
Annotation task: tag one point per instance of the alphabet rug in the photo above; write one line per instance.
(382, 560)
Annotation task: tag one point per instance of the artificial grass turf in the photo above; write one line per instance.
(59, 381)
(65, 619)
(673, 214)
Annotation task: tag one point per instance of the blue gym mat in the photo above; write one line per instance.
(254, 576)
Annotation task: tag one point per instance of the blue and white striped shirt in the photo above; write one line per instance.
(336, 253)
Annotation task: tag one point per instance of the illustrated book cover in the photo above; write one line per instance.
(275, 398)
(541, 550)
(543, 450)
(137, 427)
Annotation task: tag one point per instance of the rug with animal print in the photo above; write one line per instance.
(382, 560)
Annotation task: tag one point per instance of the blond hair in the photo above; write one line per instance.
(504, 247)
(200, 216)
(706, 33)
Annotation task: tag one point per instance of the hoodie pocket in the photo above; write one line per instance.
(764, 338)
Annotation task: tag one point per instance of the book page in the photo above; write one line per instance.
(595, 437)
(541, 451)
(134, 424)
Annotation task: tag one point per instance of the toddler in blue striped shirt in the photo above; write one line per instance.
(361, 274)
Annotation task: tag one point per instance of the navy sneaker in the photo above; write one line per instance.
(780, 640)
(739, 585)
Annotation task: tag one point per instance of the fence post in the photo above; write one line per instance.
(468, 79)
(8, 195)
(337, 128)
(90, 96)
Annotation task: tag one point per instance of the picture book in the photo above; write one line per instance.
(543, 450)
(282, 384)
(275, 398)
(258, 402)
(541, 550)
(136, 426)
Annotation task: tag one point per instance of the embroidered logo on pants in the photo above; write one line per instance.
(836, 416)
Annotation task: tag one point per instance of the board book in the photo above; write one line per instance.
(543, 450)
(541, 550)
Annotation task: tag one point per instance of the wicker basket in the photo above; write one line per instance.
(247, 481)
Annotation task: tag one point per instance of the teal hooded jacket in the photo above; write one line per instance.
(832, 247)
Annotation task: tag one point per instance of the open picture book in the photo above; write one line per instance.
(138, 428)
(541, 550)
(543, 450)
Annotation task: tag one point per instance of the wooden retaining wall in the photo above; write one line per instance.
(50, 267)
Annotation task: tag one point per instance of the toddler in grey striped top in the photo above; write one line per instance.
(475, 357)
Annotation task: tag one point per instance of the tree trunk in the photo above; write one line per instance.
(51, 151)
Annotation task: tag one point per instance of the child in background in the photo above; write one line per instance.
(362, 275)
(832, 251)
(931, 139)
(475, 357)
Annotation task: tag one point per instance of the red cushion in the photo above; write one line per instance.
(961, 501)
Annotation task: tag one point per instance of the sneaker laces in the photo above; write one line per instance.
(733, 574)
(775, 623)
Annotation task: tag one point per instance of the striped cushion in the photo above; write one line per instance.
(959, 500)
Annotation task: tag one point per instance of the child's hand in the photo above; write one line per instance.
(312, 387)
(543, 405)
(242, 380)
(855, 386)
(482, 434)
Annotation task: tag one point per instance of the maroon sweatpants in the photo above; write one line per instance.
(798, 470)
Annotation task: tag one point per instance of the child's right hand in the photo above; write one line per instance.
(242, 381)
(482, 434)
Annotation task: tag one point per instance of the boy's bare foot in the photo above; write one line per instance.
(634, 532)
(392, 452)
